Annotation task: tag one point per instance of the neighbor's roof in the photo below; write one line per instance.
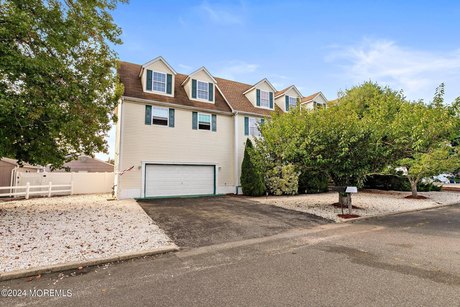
(231, 90)
(85, 163)
(279, 93)
(15, 162)
(311, 97)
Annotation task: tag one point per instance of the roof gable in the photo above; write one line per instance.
(129, 76)
(159, 58)
(310, 97)
(229, 95)
(264, 80)
(203, 69)
(287, 89)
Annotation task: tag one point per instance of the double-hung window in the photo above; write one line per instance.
(159, 82)
(264, 99)
(202, 90)
(160, 116)
(253, 126)
(204, 121)
(292, 102)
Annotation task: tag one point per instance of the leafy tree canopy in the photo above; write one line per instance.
(424, 139)
(58, 85)
(347, 140)
(367, 130)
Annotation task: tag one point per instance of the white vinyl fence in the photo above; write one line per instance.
(78, 183)
(28, 190)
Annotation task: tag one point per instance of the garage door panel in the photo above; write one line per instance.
(171, 180)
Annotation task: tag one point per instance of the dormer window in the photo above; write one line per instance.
(159, 82)
(292, 102)
(202, 90)
(265, 99)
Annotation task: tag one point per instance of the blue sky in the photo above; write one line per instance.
(317, 45)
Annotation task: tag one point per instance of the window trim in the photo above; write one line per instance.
(207, 91)
(153, 81)
(289, 99)
(167, 117)
(198, 121)
(260, 100)
(165, 93)
(257, 122)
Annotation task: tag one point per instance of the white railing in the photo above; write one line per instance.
(46, 189)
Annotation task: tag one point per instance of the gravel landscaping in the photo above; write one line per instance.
(45, 231)
(371, 203)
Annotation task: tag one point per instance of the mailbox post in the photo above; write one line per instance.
(349, 191)
(345, 196)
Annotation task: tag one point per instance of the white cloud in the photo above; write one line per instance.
(235, 69)
(185, 67)
(417, 72)
(223, 14)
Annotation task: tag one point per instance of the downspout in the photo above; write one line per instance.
(120, 132)
(235, 153)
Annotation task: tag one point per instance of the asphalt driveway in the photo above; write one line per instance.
(409, 259)
(194, 222)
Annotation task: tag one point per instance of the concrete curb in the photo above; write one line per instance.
(391, 213)
(92, 262)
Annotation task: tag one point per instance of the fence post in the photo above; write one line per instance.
(71, 187)
(49, 188)
(27, 190)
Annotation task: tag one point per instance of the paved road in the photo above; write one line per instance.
(404, 260)
(194, 222)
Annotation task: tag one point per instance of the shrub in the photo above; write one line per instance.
(428, 187)
(397, 183)
(313, 182)
(283, 180)
(387, 182)
(252, 181)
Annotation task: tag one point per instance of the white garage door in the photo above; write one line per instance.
(176, 180)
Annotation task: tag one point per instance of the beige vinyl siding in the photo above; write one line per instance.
(318, 99)
(181, 144)
(252, 96)
(242, 141)
(117, 167)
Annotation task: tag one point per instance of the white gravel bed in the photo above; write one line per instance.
(45, 231)
(372, 203)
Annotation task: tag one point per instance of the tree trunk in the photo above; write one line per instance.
(413, 187)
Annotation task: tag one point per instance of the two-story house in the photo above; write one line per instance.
(183, 134)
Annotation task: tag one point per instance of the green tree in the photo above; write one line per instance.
(423, 137)
(344, 142)
(252, 181)
(58, 84)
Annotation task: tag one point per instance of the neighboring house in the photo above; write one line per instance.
(313, 101)
(288, 98)
(10, 167)
(185, 134)
(85, 164)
